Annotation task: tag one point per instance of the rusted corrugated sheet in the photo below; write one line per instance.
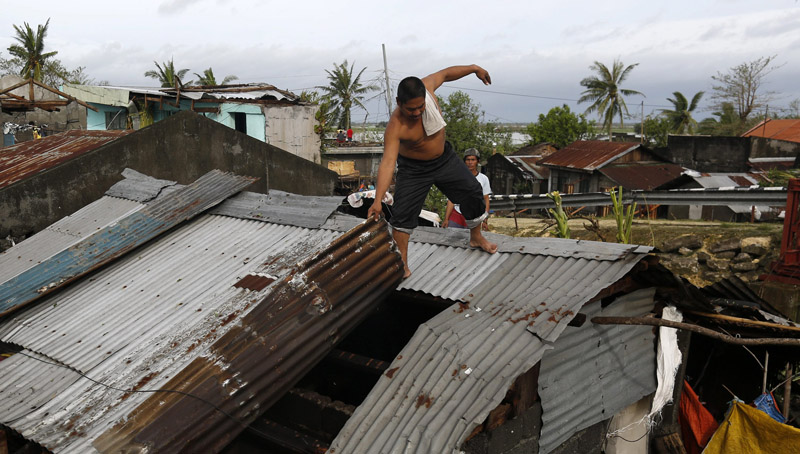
(25, 159)
(788, 130)
(113, 241)
(588, 154)
(259, 359)
(642, 176)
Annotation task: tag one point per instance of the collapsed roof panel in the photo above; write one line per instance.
(459, 365)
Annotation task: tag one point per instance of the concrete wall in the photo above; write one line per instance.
(771, 148)
(291, 128)
(181, 148)
(708, 154)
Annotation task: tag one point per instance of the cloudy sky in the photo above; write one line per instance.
(536, 52)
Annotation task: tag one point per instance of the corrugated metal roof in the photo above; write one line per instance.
(243, 92)
(109, 243)
(25, 159)
(595, 371)
(173, 307)
(588, 154)
(459, 365)
(138, 323)
(139, 187)
(788, 130)
(725, 180)
(643, 176)
(281, 208)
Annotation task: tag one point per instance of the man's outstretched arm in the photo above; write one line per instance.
(435, 80)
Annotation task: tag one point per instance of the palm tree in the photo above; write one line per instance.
(680, 117)
(167, 75)
(605, 92)
(344, 91)
(208, 78)
(30, 50)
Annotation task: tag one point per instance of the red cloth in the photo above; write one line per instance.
(350, 134)
(457, 219)
(697, 424)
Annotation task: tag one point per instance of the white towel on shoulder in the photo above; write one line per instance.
(432, 120)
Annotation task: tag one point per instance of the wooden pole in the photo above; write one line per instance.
(652, 321)
(766, 368)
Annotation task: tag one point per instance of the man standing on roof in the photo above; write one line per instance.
(415, 141)
(452, 215)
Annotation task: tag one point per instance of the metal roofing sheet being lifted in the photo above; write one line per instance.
(25, 159)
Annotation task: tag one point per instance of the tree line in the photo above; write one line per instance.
(737, 94)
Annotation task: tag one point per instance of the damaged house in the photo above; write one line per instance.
(183, 318)
(262, 111)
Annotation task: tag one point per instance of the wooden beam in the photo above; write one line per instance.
(652, 321)
(746, 322)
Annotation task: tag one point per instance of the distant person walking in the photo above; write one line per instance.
(452, 216)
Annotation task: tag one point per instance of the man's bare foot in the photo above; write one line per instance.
(481, 242)
(407, 273)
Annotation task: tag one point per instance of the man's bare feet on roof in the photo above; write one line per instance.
(481, 242)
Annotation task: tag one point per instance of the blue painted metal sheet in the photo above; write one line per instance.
(114, 241)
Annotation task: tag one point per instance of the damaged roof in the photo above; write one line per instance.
(149, 318)
(588, 154)
(25, 159)
(458, 366)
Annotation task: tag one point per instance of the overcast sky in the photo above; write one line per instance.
(536, 52)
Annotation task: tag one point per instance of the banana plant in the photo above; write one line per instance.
(559, 215)
(624, 218)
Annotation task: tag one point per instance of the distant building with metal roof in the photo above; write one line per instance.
(778, 129)
(516, 174)
(262, 111)
(596, 166)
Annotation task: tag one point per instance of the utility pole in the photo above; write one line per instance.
(641, 133)
(388, 87)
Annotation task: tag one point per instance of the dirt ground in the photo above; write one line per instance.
(645, 232)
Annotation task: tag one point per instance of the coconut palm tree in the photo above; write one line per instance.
(208, 78)
(30, 50)
(680, 117)
(604, 92)
(345, 91)
(166, 75)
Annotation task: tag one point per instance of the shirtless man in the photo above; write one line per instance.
(415, 141)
